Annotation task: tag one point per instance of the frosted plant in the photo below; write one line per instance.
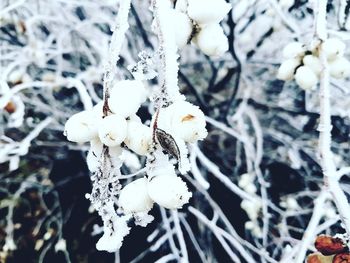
(113, 125)
(260, 190)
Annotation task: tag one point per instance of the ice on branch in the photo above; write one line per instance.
(114, 232)
(304, 65)
(143, 69)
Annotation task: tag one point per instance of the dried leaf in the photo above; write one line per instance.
(168, 143)
(328, 245)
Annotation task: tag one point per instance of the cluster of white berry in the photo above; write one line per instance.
(252, 208)
(198, 20)
(120, 125)
(304, 65)
(171, 128)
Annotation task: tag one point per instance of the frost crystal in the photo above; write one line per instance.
(144, 69)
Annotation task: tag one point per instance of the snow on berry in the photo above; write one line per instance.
(183, 28)
(287, 69)
(134, 197)
(293, 50)
(81, 127)
(168, 191)
(333, 48)
(305, 77)
(139, 137)
(212, 40)
(313, 63)
(339, 68)
(126, 97)
(112, 130)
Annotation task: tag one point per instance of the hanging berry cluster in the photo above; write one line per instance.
(112, 126)
(304, 65)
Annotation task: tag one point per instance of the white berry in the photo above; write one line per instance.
(126, 97)
(340, 68)
(208, 11)
(112, 130)
(305, 77)
(287, 69)
(81, 127)
(134, 197)
(313, 63)
(333, 48)
(293, 50)
(212, 40)
(168, 191)
(139, 137)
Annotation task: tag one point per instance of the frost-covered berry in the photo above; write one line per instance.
(340, 68)
(81, 127)
(183, 28)
(139, 137)
(134, 197)
(293, 50)
(305, 77)
(212, 40)
(126, 97)
(313, 63)
(186, 120)
(112, 130)
(168, 191)
(333, 48)
(287, 69)
(208, 11)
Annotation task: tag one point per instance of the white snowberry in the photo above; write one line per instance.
(305, 77)
(287, 69)
(139, 137)
(313, 63)
(112, 130)
(212, 40)
(126, 97)
(340, 68)
(168, 191)
(183, 28)
(187, 121)
(333, 48)
(293, 50)
(134, 197)
(208, 11)
(81, 127)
